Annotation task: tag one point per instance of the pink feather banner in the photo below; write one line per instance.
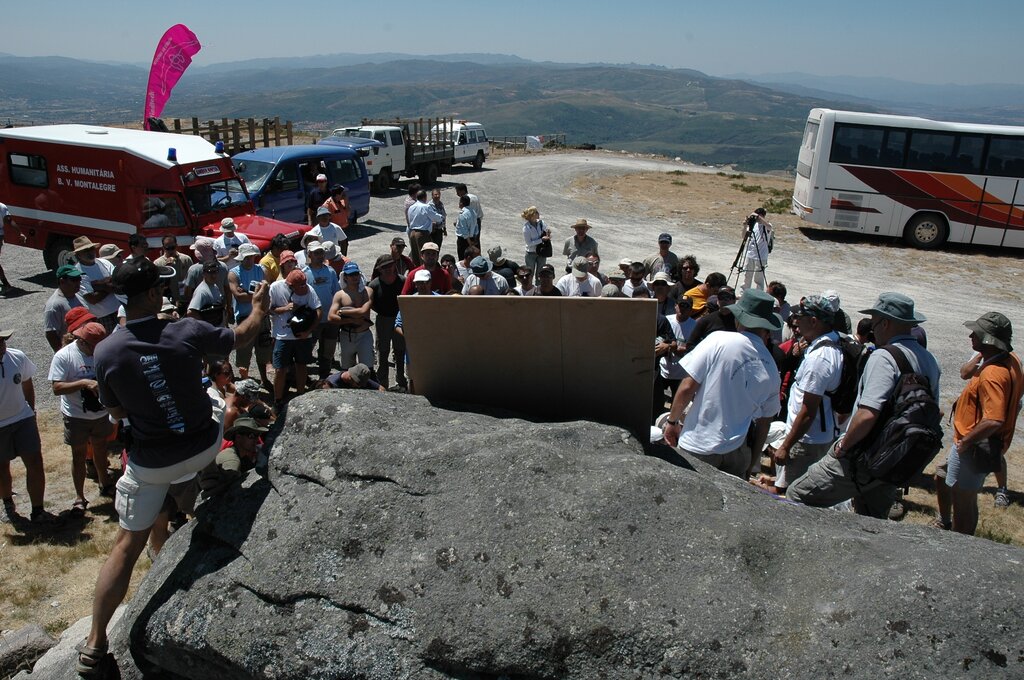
(173, 55)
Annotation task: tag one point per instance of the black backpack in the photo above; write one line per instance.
(908, 433)
(843, 397)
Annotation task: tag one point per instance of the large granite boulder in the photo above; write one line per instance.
(395, 539)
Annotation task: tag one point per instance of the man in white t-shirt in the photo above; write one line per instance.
(327, 230)
(292, 350)
(580, 283)
(731, 380)
(85, 419)
(226, 245)
(19, 434)
(810, 420)
(97, 291)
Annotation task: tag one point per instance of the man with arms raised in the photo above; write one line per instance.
(150, 372)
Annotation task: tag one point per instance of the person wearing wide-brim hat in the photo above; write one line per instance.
(731, 381)
(97, 291)
(579, 244)
(833, 479)
(235, 460)
(985, 413)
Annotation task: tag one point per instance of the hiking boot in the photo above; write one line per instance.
(1002, 498)
(897, 511)
(40, 518)
(10, 515)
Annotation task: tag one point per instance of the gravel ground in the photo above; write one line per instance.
(950, 286)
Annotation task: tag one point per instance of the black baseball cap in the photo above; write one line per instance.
(139, 275)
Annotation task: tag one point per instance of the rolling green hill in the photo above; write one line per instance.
(677, 112)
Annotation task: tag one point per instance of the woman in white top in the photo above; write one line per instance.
(535, 234)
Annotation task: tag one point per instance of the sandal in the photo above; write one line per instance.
(944, 524)
(91, 660)
(79, 506)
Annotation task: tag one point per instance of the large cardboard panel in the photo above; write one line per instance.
(553, 358)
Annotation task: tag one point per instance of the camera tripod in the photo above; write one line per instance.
(738, 264)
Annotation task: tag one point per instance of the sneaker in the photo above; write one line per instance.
(399, 389)
(897, 511)
(40, 517)
(1002, 498)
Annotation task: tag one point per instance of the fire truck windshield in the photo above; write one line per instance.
(215, 196)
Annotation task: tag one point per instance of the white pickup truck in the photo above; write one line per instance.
(407, 148)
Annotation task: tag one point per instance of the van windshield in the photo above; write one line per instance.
(215, 196)
(255, 173)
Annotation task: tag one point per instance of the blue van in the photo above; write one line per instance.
(279, 178)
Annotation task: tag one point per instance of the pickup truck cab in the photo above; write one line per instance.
(471, 144)
(403, 149)
(280, 178)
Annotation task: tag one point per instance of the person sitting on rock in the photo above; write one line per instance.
(234, 461)
(636, 280)
(356, 378)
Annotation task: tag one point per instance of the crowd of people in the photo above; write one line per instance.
(156, 358)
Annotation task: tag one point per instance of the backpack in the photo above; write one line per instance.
(843, 397)
(908, 433)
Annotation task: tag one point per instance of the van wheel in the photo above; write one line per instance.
(926, 231)
(478, 162)
(383, 182)
(58, 252)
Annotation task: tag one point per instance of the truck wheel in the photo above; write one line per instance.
(429, 174)
(58, 252)
(478, 162)
(383, 182)
(926, 231)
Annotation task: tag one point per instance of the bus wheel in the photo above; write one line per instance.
(383, 182)
(478, 162)
(58, 252)
(926, 231)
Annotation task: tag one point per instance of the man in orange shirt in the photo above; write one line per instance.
(986, 409)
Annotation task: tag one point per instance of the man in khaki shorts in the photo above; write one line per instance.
(150, 372)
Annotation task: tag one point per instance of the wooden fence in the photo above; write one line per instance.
(237, 134)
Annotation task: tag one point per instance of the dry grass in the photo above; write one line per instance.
(48, 575)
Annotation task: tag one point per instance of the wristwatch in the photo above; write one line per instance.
(669, 421)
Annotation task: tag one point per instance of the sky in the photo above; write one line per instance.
(936, 41)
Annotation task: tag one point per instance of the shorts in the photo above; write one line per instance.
(287, 353)
(78, 431)
(141, 491)
(19, 439)
(960, 472)
(181, 496)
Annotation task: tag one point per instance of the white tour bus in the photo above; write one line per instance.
(927, 181)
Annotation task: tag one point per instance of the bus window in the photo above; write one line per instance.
(893, 148)
(810, 135)
(968, 154)
(856, 144)
(1005, 157)
(931, 151)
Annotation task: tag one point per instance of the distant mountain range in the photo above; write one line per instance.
(642, 108)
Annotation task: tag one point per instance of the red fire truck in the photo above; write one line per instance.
(63, 181)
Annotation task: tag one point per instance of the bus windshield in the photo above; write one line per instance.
(215, 196)
(255, 173)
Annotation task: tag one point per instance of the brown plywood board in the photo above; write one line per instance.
(552, 358)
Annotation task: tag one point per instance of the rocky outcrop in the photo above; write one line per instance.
(394, 539)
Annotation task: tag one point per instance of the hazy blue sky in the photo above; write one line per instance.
(936, 41)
